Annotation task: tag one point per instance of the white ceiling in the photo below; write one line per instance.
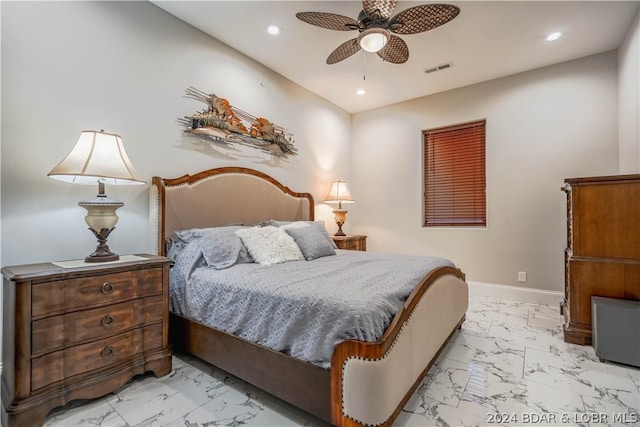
(486, 41)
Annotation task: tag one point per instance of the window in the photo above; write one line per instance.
(454, 176)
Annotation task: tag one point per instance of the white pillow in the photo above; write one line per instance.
(270, 245)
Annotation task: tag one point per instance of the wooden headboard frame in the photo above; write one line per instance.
(222, 196)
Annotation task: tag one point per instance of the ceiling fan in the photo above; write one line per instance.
(375, 25)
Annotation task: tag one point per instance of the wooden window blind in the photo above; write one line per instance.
(454, 176)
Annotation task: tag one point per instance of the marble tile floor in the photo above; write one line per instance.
(507, 366)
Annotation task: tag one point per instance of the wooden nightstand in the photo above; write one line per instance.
(352, 242)
(80, 332)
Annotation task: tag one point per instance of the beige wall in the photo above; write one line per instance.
(542, 126)
(124, 67)
(629, 99)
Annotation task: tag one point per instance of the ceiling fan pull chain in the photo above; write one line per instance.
(364, 65)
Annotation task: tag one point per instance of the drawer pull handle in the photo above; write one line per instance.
(107, 321)
(106, 352)
(106, 288)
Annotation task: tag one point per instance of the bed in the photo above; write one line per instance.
(365, 383)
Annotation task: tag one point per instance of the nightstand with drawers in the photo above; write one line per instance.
(353, 242)
(80, 332)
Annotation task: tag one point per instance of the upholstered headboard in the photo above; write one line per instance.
(222, 196)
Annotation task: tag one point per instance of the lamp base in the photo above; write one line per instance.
(102, 253)
(340, 216)
(101, 258)
(101, 219)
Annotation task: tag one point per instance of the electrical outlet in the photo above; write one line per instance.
(522, 276)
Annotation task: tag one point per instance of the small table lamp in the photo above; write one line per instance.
(98, 158)
(340, 194)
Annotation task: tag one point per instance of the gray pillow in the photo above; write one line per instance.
(220, 247)
(173, 246)
(312, 242)
(192, 233)
(318, 223)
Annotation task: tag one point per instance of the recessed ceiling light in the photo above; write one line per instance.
(361, 92)
(274, 30)
(554, 36)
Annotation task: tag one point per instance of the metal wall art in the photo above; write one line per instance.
(223, 122)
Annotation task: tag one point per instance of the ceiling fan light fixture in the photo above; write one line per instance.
(373, 39)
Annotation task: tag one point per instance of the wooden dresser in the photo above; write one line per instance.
(351, 242)
(603, 247)
(80, 333)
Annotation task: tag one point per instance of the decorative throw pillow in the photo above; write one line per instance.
(269, 245)
(326, 234)
(312, 242)
(289, 224)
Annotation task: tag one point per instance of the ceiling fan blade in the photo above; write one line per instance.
(384, 8)
(395, 51)
(422, 18)
(330, 21)
(344, 51)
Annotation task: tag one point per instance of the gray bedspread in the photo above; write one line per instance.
(302, 308)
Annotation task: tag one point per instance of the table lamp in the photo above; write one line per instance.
(340, 194)
(98, 158)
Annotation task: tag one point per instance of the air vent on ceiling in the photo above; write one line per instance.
(438, 68)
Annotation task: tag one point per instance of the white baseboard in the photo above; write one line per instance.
(513, 293)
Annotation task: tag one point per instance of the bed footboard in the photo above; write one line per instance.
(371, 382)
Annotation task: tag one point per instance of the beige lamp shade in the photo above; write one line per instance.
(97, 155)
(339, 193)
